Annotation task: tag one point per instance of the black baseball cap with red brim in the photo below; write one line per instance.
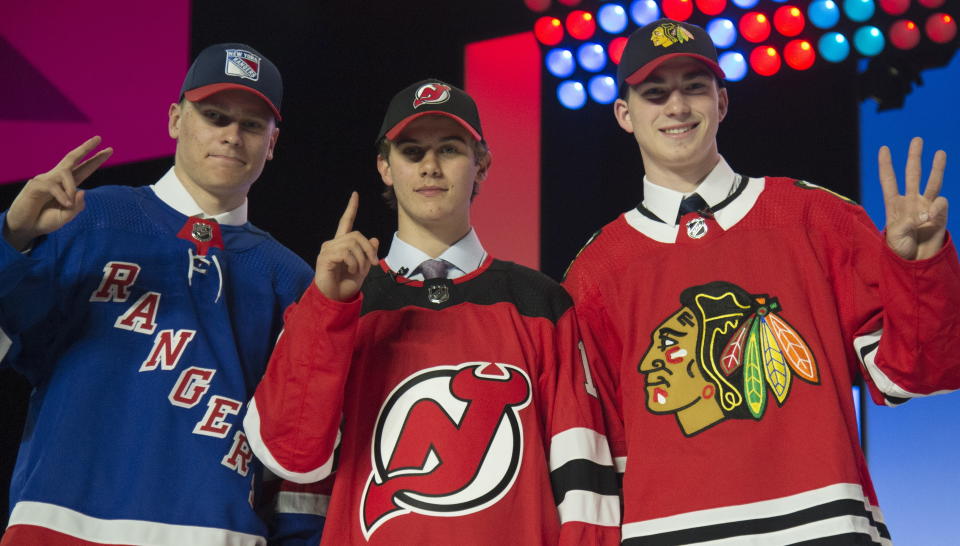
(430, 97)
(657, 42)
(233, 66)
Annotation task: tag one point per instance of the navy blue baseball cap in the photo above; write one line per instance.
(233, 66)
(430, 97)
(653, 44)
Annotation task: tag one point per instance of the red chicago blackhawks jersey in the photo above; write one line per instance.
(452, 411)
(728, 346)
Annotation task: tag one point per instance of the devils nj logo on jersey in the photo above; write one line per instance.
(448, 442)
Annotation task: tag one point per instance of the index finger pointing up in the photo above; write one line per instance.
(346, 221)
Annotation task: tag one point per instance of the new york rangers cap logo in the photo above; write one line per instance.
(242, 63)
(431, 93)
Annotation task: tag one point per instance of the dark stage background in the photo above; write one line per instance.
(342, 61)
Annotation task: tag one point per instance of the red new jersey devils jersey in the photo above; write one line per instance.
(452, 411)
(729, 345)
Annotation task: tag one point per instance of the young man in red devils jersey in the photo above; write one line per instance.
(447, 392)
(731, 315)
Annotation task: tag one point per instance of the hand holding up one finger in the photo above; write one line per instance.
(345, 260)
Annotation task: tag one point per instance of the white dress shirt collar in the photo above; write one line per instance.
(464, 257)
(665, 203)
(171, 191)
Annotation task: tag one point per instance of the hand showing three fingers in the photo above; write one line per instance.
(916, 222)
(345, 260)
(49, 200)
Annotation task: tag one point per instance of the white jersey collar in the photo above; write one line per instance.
(465, 256)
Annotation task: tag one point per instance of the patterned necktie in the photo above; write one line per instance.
(434, 269)
(693, 203)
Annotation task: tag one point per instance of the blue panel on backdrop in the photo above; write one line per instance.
(913, 449)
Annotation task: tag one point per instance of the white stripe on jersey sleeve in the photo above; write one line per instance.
(124, 531)
(887, 386)
(591, 508)
(753, 511)
(251, 426)
(579, 443)
(620, 463)
(297, 502)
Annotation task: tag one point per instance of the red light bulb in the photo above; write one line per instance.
(799, 54)
(941, 27)
(548, 30)
(894, 7)
(711, 7)
(755, 27)
(788, 20)
(615, 49)
(904, 34)
(678, 10)
(765, 60)
(581, 24)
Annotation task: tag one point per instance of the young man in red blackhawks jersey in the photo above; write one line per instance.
(731, 316)
(446, 391)
(144, 317)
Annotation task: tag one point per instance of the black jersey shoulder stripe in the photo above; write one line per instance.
(849, 508)
(532, 293)
(584, 475)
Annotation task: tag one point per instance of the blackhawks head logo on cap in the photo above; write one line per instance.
(667, 34)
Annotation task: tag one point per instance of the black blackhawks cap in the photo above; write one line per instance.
(430, 97)
(233, 66)
(662, 40)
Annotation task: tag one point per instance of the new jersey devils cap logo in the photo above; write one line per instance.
(448, 442)
(431, 93)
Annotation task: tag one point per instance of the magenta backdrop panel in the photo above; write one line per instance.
(72, 70)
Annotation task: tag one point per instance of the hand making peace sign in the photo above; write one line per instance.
(49, 200)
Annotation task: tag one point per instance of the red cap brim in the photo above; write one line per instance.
(640, 75)
(398, 128)
(200, 93)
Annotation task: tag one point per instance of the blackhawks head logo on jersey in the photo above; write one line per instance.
(722, 355)
(448, 442)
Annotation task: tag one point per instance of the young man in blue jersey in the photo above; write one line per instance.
(143, 317)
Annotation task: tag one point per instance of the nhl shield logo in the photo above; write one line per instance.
(202, 232)
(438, 293)
(696, 228)
(243, 64)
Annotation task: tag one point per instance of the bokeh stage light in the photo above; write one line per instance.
(941, 27)
(723, 32)
(602, 88)
(834, 47)
(869, 41)
(755, 27)
(734, 65)
(823, 13)
(548, 30)
(799, 54)
(615, 49)
(765, 60)
(678, 10)
(571, 94)
(581, 24)
(644, 11)
(612, 18)
(904, 34)
(895, 7)
(560, 62)
(592, 57)
(859, 10)
(789, 20)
